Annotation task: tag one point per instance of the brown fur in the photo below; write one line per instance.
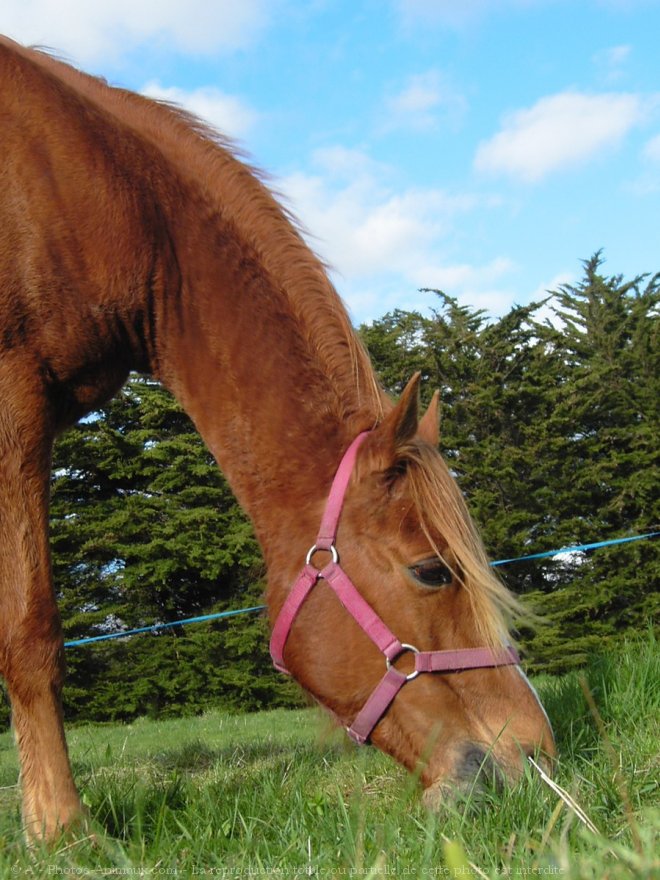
(132, 237)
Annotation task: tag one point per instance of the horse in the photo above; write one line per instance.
(134, 237)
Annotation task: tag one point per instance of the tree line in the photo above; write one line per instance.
(549, 424)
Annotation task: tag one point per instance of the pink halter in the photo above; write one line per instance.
(393, 680)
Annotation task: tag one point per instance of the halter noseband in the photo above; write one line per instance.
(393, 680)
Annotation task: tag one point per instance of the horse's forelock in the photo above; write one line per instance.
(443, 515)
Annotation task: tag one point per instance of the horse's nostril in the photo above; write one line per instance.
(477, 762)
(541, 762)
(479, 765)
(536, 752)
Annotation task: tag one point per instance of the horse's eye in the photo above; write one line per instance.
(432, 573)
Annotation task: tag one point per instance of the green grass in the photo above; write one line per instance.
(280, 794)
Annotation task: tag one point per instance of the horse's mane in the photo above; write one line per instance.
(442, 511)
(238, 191)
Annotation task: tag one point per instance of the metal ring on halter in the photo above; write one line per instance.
(404, 647)
(331, 549)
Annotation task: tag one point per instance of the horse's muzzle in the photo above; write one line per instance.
(476, 770)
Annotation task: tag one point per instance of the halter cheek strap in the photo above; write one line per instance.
(364, 615)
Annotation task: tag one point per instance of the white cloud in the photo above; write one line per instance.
(652, 149)
(546, 313)
(559, 131)
(617, 55)
(647, 182)
(362, 225)
(225, 112)
(419, 96)
(385, 242)
(424, 99)
(612, 59)
(543, 290)
(456, 14)
(96, 30)
(449, 13)
(482, 287)
(462, 274)
(348, 165)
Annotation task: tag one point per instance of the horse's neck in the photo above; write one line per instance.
(236, 315)
(273, 406)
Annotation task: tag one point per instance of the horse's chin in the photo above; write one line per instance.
(445, 793)
(475, 773)
(439, 795)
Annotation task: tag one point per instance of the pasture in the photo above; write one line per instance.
(283, 794)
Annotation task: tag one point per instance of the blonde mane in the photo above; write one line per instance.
(442, 511)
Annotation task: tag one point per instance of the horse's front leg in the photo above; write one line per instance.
(31, 646)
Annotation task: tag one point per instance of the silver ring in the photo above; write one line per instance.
(313, 549)
(404, 647)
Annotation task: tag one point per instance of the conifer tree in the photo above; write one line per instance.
(603, 438)
(552, 436)
(551, 430)
(145, 530)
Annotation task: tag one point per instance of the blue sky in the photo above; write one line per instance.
(483, 147)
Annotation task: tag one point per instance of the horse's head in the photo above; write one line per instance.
(406, 549)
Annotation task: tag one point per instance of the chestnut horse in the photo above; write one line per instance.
(133, 238)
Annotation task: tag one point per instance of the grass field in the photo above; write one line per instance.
(280, 794)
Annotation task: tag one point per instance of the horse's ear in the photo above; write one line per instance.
(397, 428)
(429, 425)
(404, 418)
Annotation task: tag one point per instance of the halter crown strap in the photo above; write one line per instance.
(325, 540)
(365, 616)
(330, 522)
